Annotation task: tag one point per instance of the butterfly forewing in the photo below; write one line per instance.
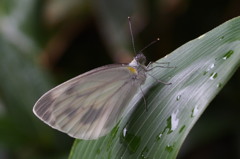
(88, 106)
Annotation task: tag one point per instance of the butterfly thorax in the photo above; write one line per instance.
(138, 68)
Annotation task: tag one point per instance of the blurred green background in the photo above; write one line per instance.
(43, 43)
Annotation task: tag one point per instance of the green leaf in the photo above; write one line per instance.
(203, 66)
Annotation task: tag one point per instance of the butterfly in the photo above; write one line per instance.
(89, 105)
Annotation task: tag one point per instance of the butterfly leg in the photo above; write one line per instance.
(145, 102)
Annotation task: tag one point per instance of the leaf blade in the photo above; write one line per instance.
(204, 65)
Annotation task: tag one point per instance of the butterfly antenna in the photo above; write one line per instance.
(153, 42)
(130, 28)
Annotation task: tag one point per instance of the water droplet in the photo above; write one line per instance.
(228, 54)
(169, 148)
(172, 123)
(178, 97)
(124, 132)
(194, 111)
(143, 157)
(212, 66)
(213, 76)
(174, 120)
(182, 128)
(131, 141)
(209, 68)
(219, 85)
(165, 56)
(201, 36)
(222, 37)
(159, 136)
(144, 153)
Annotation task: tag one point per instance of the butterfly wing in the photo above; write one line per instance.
(89, 105)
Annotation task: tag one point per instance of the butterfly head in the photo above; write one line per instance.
(141, 59)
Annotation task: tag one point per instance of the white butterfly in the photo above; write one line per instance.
(89, 105)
